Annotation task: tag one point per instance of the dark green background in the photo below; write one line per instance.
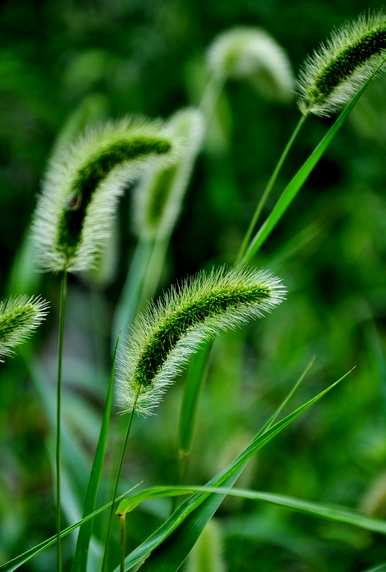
(147, 57)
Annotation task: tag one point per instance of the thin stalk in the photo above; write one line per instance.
(271, 183)
(154, 270)
(85, 532)
(210, 96)
(116, 483)
(62, 305)
(122, 526)
(128, 304)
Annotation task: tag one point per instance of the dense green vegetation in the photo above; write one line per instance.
(65, 66)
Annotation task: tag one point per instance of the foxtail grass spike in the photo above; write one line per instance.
(335, 72)
(19, 317)
(253, 54)
(160, 193)
(84, 181)
(167, 333)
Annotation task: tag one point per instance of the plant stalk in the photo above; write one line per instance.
(267, 191)
(116, 483)
(122, 525)
(62, 307)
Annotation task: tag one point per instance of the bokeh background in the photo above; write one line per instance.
(148, 57)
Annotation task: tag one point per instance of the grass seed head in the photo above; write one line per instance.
(164, 336)
(84, 181)
(161, 189)
(253, 54)
(19, 317)
(332, 75)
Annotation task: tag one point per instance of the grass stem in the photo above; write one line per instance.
(267, 191)
(116, 483)
(62, 304)
(122, 526)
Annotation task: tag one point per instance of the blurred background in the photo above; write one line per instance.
(149, 58)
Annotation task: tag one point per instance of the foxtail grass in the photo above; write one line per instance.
(19, 318)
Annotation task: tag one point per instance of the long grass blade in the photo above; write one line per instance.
(327, 512)
(297, 182)
(194, 380)
(169, 555)
(23, 558)
(85, 532)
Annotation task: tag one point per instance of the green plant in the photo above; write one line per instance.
(76, 230)
(19, 317)
(75, 213)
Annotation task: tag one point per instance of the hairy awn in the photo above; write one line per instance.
(164, 337)
(84, 181)
(19, 317)
(332, 75)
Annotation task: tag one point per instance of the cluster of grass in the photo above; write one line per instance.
(146, 345)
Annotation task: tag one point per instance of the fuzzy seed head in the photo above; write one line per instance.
(164, 336)
(19, 317)
(84, 181)
(252, 53)
(161, 190)
(334, 73)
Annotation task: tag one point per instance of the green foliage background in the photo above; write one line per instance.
(147, 57)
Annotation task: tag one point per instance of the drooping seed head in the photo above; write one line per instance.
(252, 53)
(334, 73)
(75, 211)
(161, 190)
(19, 317)
(164, 337)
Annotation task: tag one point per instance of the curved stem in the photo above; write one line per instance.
(268, 189)
(62, 304)
(210, 97)
(116, 483)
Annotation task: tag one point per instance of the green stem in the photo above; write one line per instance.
(268, 189)
(154, 270)
(116, 483)
(122, 525)
(62, 304)
(128, 304)
(210, 97)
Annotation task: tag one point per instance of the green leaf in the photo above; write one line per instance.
(85, 532)
(26, 556)
(297, 182)
(327, 512)
(194, 380)
(170, 555)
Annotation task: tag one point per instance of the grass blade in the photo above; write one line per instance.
(194, 380)
(172, 553)
(26, 556)
(288, 397)
(85, 532)
(297, 182)
(327, 512)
